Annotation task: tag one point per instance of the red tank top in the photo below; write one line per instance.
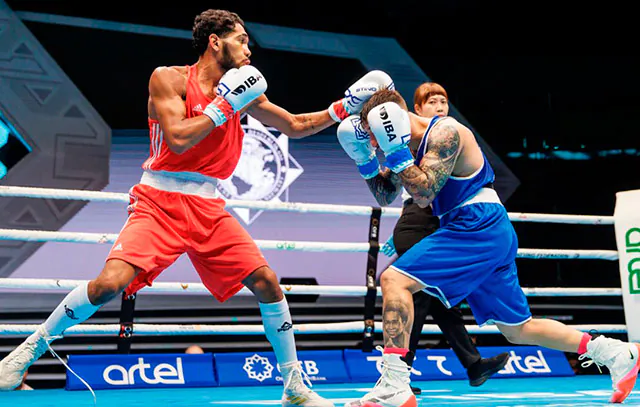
(214, 156)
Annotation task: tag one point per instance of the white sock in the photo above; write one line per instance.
(75, 308)
(278, 328)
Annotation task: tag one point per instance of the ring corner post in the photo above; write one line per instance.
(627, 230)
(126, 322)
(372, 289)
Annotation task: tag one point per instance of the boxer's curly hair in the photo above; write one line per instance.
(378, 98)
(212, 21)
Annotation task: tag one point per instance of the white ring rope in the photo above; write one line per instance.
(343, 291)
(314, 328)
(569, 219)
(82, 237)
(355, 327)
(567, 254)
(99, 196)
(322, 328)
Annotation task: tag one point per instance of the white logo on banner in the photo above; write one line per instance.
(530, 364)
(310, 367)
(163, 373)
(440, 364)
(265, 372)
(265, 170)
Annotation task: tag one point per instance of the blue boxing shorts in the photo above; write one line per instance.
(472, 256)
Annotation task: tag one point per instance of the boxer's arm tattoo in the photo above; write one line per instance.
(308, 122)
(424, 182)
(396, 324)
(385, 187)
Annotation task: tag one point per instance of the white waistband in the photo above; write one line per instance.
(483, 195)
(205, 187)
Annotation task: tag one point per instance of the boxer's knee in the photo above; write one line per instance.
(114, 278)
(393, 279)
(263, 283)
(516, 334)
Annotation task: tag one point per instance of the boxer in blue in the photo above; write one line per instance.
(430, 99)
(472, 255)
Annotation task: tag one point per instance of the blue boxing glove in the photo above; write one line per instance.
(357, 144)
(391, 126)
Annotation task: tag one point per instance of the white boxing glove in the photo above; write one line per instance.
(356, 143)
(391, 126)
(237, 88)
(359, 93)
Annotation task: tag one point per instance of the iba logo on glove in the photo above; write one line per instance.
(388, 127)
(249, 82)
(223, 89)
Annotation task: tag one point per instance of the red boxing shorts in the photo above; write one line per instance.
(162, 225)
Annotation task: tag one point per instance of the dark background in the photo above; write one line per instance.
(556, 74)
(557, 77)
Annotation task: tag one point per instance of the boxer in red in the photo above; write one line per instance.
(196, 138)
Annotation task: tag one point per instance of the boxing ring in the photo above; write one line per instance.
(583, 391)
(579, 391)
